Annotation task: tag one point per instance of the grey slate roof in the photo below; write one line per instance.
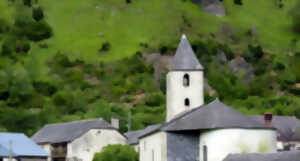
(185, 58)
(280, 156)
(19, 145)
(214, 115)
(296, 135)
(133, 136)
(285, 125)
(67, 132)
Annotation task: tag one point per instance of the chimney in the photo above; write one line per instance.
(115, 122)
(268, 117)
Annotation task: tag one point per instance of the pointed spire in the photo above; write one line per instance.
(185, 58)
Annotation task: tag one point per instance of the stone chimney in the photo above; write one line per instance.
(115, 122)
(268, 117)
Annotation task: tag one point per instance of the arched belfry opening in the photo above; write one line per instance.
(186, 102)
(186, 80)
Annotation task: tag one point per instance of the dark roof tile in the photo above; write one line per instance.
(185, 58)
(67, 132)
(214, 115)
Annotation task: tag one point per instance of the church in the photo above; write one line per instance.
(195, 131)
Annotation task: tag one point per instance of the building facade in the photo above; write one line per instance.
(77, 141)
(195, 131)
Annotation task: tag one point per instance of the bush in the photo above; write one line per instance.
(116, 153)
(27, 3)
(37, 14)
(238, 2)
(3, 26)
(22, 46)
(105, 47)
(295, 13)
(35, 31)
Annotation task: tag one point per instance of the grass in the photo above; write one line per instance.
(78, 23)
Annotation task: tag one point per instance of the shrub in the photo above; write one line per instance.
(105, 47)
(37, 14)
(163, 49)
(295, 14)
(22, 46)
(155, 99)
(39, 31)
(116, 153)
(238, 2)
(3, 26)
(7, 48)
(27, 3)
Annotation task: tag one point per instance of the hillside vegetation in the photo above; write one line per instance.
(79, 59)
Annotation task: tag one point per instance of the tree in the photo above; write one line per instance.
(295, 13)
(116, 153)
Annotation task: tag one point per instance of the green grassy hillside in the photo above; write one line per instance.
(64, 60)
(77, 23)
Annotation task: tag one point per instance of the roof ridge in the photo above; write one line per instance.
(76, 121)
(185, 114)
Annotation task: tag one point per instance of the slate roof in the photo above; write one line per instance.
(285, 125)
(296, 135)
(133, 136)
(20, 146)
(67, 132)
(185, 58)
(280, 156)
(214, 115)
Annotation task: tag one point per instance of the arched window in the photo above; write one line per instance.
(187, 102)
(186, 80)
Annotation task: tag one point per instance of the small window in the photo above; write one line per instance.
(187, 102)
(186, 80)
(204, 153)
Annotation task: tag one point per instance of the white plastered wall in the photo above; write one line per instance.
(222, 142)
(154, 147)
(177, 92)
(47, 148)
(93, 141)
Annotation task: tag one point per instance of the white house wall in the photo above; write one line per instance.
(222, 142)
(47, 148)
(154, 147)
(84, 147)
(177, 92)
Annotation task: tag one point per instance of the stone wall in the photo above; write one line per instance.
(183, 146)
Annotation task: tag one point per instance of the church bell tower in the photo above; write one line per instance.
(184, 81)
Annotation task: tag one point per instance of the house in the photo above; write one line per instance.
(206, 132)
(19, 147)
(286, 128)
(79, 140)
(281, 156)
(133, 136)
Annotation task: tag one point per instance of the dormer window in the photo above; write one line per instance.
(186, 80)
(187, 102)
